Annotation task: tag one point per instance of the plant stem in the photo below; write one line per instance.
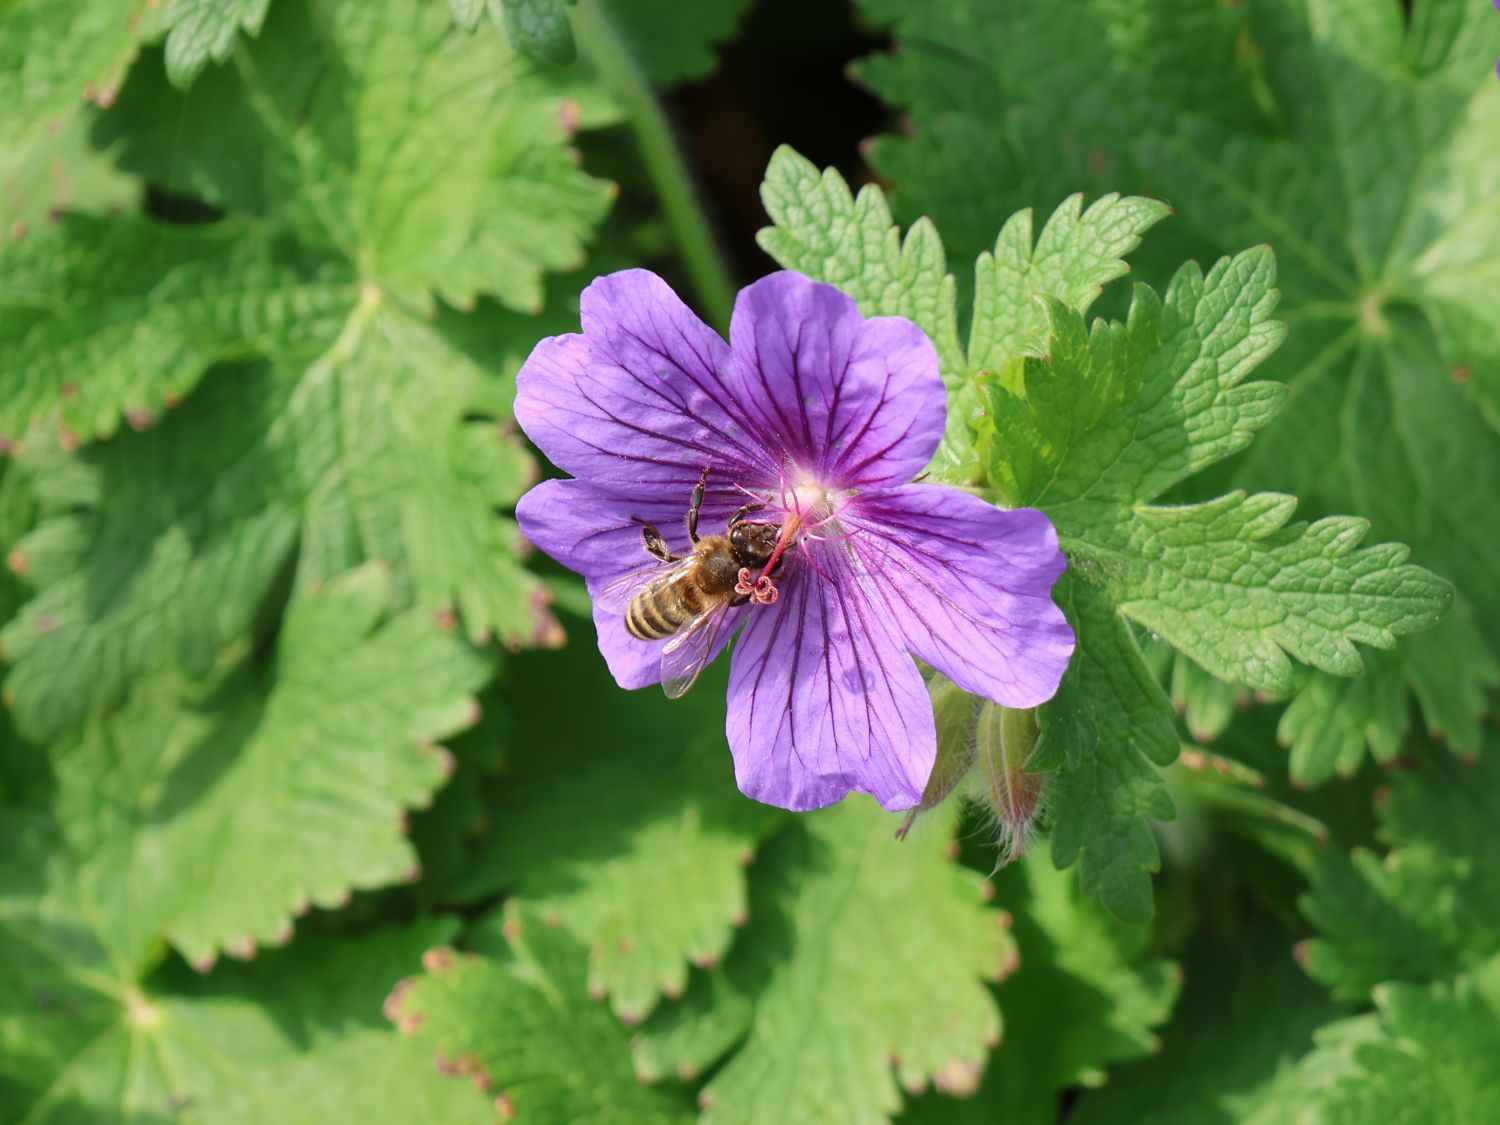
(601, 43)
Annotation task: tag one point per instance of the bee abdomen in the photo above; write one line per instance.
(661, 609)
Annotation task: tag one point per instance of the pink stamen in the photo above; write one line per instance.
(830, 538)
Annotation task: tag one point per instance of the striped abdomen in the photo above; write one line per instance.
(666, 605)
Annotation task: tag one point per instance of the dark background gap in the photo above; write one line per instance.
(773, 88)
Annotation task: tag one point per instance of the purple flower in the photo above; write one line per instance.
(824, 417)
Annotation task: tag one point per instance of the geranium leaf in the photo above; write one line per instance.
(298, 1037)
(517, 1022)
(361, 424)
(1246, 1013)
(1363, 157)
(1431, 907)
(1086, 995)
(1093, 424)
(1425, 1054)
(204, 30)
(651, 878)
(285, 786)
(891, 939)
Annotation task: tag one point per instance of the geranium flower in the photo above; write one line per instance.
(824, 417)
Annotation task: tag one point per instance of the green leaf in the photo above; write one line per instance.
(364, 423)
(1092, 425)
(641, 857)
(110, 320)
(467, 13)
(297, 1037)
(427, 158)
(1364, 156)
(1077, 253)
(1332, 721)
(538, 28)
(518, 1024)
(1085, 996)
(862, 953)
(1246, 1013)
(824, 231)
(1206, 704)
(201, 30)
(45, 176)
(317, 468)
(1107, 422)
(673, 42)
(1103, 737)
(1425, 1055)
(1234, 588)
(55, 57)
(1431, 908)
(285, 786)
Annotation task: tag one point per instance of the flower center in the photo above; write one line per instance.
(807, 507)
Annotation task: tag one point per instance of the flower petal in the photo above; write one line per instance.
(853, 402)
(590, 531)
(637, 403)
(969, 586)
(822, 700)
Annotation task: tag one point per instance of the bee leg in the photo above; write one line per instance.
(697, 502)
(743, 512)
(739, 599)
(655, 545)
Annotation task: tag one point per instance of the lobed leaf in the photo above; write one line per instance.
(891, 941)
(282, 787)
(1427, 911)
(204, 30)
(1354, 138)
(641, 857)
(296, 1038)
(1087, 995)
(518, 1024)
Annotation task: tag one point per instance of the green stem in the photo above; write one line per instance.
(601, 43)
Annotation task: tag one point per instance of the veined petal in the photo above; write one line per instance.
(853, 402)
(637, 404)
(969, 586)
(822, 701)
(590, 531)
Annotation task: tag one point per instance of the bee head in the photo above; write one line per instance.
(753, 543)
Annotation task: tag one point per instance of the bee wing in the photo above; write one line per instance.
(688, 653)
(615, 597)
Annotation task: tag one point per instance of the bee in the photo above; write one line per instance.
(684, 599)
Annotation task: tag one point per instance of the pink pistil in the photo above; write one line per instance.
(758, 588)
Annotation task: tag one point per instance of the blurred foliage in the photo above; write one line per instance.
(318, 805)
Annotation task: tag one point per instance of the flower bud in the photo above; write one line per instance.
(1005, 740)
(955, 713)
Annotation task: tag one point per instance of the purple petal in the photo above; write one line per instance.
(969, 587)
(637, 403)
(822, 701)
(590, 531)
(853, 402)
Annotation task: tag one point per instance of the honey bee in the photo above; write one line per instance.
(684, 599)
